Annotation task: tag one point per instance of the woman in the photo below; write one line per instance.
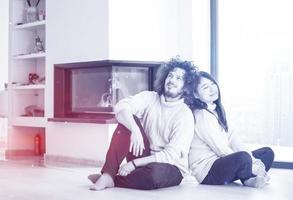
(216, 157)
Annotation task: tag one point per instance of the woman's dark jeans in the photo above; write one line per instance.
(237, 166)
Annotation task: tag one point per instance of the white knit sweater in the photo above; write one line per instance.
(168, 126)
(210, 142)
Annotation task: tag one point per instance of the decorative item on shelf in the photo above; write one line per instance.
(37, 145)
(31, 11)
(106, 100)
(41, 14)
(33, 78)
(39, 47)
(33, 111)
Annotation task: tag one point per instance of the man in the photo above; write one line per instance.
(154, 133)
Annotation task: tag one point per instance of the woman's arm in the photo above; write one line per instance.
(209, 130)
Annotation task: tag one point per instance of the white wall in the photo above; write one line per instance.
(150, 29)
(78, 140)
(4, 6)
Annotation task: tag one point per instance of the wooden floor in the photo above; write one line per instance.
(33, 181)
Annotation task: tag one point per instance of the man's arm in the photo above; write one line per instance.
(136, 146)
(125, 109)
(138, 162)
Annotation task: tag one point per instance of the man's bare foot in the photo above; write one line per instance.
(105, 181)
(94, 177)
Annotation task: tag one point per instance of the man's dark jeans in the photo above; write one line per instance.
(151, 176)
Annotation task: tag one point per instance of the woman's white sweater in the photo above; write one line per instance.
(210, 142)
(169, 126)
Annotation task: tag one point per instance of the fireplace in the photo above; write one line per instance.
(87, 91)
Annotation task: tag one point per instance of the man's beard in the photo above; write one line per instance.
(172, 95)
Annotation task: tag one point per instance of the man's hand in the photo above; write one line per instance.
(126, 169)
(136, 143)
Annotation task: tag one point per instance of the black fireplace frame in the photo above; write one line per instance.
(62, 99)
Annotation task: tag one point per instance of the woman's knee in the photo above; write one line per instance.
(268, 157)
(243, 157)
(270, 153)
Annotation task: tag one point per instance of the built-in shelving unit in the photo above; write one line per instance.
(27, 67)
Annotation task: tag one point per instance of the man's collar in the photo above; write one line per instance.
(172, 103)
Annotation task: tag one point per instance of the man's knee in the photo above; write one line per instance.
(163, 175)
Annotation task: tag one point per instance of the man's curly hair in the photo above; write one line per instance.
(167, 67)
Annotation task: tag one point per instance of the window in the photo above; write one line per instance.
(255, 64)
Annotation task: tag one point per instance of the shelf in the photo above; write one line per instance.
(29, 121)
(30, 56)
(29, 87)
(31, 26)
(98, 120)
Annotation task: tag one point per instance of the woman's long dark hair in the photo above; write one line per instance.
(198, 104)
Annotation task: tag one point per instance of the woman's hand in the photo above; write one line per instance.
(126, 169)
(136, 143)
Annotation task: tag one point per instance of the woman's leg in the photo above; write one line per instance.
(151, 176)
(266, 155)
(230, 168)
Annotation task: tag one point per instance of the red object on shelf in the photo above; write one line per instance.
(37, 142)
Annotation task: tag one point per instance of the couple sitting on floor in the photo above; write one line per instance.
(180, 127)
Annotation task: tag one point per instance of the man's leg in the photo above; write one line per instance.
(118, 150)
(230, 168)
(151, 176)
(266, 155)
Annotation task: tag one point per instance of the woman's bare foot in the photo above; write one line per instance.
(256, 182)
(105, 181)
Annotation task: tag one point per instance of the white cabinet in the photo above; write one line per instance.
(27, 67)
